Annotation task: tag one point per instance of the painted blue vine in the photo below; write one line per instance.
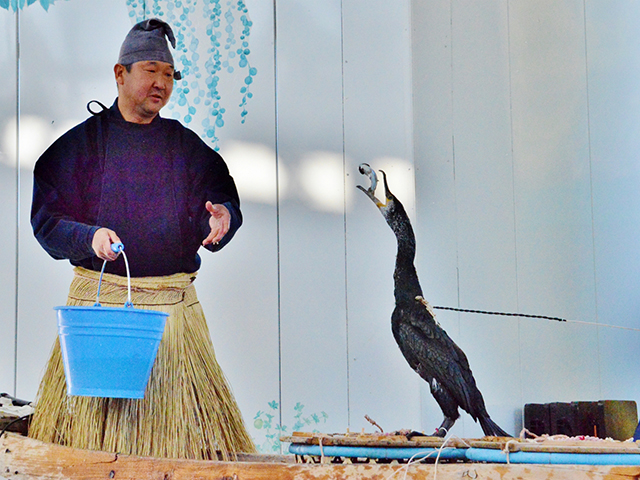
(20, 4)
(225, 51)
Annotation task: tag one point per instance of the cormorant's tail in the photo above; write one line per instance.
(491, 429)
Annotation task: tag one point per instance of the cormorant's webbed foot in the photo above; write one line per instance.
(443, 429)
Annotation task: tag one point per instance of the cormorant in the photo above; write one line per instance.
(425, 345)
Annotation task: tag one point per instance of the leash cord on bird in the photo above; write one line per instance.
(557, 319)
(506, 314)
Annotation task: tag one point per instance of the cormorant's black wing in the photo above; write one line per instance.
(432, 353)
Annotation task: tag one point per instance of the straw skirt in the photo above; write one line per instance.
(188, 411)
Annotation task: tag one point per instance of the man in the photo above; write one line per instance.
(128, 175)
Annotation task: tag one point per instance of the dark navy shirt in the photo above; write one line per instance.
(148, 183)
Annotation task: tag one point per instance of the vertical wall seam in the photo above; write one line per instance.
(344, 218)
(277, 161)
(17, 261)
(514, 207)
(453, 159)
(412, 151)
(593, 228)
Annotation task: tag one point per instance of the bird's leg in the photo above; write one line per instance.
(444, 428)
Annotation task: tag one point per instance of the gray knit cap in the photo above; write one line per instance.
(146, 42)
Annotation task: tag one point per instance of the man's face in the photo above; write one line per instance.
(145, 90)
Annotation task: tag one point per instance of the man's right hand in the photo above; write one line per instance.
(101, 243)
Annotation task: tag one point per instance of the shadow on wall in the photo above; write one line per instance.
(316, 180)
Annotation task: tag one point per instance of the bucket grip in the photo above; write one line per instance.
(117, 247)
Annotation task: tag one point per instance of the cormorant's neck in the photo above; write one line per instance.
(406, 284)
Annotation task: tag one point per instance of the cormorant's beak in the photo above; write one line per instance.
(387, 193)
(365, 169)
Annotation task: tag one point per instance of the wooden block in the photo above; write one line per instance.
(616, 419)
(563, 419)
(536, 418)
(591, 419)
(620, 418)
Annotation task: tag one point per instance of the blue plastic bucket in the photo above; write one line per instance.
(107, 351)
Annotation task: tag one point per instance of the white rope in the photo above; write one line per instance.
(419, 457)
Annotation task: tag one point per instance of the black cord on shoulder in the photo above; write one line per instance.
(558, 319)
(102, 105)
(6, 428)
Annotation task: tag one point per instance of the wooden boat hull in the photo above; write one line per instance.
(25, 458)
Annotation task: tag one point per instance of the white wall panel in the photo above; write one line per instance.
(485, 203)
(311, 225)
(8, 200)
(435, 170)
(238, 286)
(464, 185)
(377, 126)
(553, 197)
(614, 92)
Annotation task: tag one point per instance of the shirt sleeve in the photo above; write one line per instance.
(219, 188)
(60, 235)
(59, 212)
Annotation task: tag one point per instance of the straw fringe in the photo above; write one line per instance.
(188, 411)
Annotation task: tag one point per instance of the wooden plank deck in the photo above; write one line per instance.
(25, 458)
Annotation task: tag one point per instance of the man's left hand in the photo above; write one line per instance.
(219, 222)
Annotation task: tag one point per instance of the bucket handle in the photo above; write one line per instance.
(117, 248)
